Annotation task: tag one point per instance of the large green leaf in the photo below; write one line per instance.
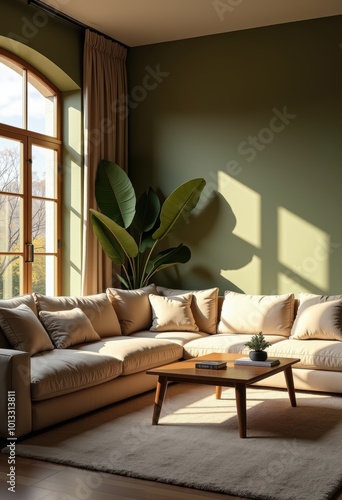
(169, 257)
(146, 242)
(147, 211)
(119, 243)
(124, 282)
(114, 193)
(109, 245)
(178, 205)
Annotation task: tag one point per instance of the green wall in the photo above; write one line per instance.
(60, 42)
(257, 113)
(55, 48)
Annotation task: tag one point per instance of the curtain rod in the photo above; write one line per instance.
(69, 19)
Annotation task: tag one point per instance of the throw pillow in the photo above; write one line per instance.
(23, 330)
(132, 307)
(318, 317)
(9, 304)
(68, 328)
(269, 314)
(172, 313)
(204, 306)
(96, 307)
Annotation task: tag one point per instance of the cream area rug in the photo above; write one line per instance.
(289, 453)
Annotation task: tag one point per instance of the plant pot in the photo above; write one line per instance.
(258, 355)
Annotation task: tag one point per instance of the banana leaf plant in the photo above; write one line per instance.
(129, 231)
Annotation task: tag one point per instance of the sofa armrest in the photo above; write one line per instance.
(15, 380)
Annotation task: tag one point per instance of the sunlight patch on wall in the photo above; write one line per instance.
(289, 283)
(75, 281)
(246, 206)
(74, 125)
(75, 236)
(76, 179)
(303, 249)
(75, 253)
(248, 278)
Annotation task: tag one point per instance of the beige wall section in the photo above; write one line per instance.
(257, 113)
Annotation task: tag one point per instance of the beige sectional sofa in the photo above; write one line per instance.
(65, 356)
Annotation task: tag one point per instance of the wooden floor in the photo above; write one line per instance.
(37, 480)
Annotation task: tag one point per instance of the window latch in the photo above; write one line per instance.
(29, 252)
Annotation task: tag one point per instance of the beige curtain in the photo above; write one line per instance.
(105, 137)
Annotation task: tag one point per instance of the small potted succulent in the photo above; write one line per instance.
(257, 346)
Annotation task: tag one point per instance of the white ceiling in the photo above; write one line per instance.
(142, 22)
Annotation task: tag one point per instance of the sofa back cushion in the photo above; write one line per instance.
(318, 317)
(9, 304)
(269, 314)
(204, 306)
(132, 307)
(96, 307)
(23, 330)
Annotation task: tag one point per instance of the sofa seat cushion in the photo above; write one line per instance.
(136, 354)
(223, 342)
(62, 371)
(178, 337)
(313, 354)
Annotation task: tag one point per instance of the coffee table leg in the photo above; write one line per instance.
(290, 385)
(240, 395)
(218, 391)
(159, 398)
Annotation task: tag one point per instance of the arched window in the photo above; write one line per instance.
(30, 180)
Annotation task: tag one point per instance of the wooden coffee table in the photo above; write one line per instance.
(233, 376)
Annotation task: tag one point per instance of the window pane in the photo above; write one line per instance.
(11, 271)
(41, 105)
(43, 274)
(10, 216)
(29, 179)
(44, 169)
(44, 226)
(10, 166)
(11, 93)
